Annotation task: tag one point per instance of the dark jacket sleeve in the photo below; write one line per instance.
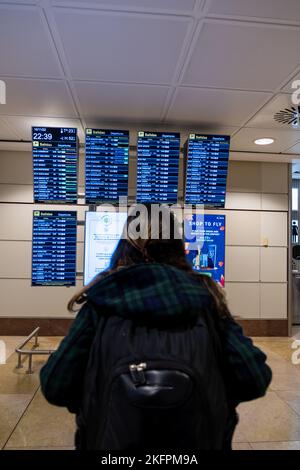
(246, 372)
(62, 377)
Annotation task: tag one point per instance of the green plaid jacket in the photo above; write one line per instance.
(155, 291)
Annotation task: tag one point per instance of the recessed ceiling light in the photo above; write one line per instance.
(264, 141)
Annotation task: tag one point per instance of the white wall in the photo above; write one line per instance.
(256, 214)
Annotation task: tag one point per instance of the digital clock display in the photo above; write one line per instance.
(55, 160)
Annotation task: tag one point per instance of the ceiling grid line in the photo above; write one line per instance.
(54, 34)
(180, 64)
(191, 45)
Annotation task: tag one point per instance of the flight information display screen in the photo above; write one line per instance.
(206, 167)
(54, 248)
(106, 165)
(103, 230)
(205, 244)
(157, 167)
(55, 157)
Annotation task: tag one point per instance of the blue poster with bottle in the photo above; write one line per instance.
(205, 244)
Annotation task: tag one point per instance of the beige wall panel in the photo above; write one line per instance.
(242, 228)
(274, 177)
(244, 177)
(273, 264)
(180, 177)
(16, 167)
(131, 174)
(16, 193)
(251, 201)
(243, 299)
(16, 259)
(19, 299)
(16, 219)
(242, 264)
(24, 193)
(274, 228)
(80, 233)
(273, 300)
(274, 202)
(80, 250)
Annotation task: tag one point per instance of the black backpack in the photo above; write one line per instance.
(151, 386)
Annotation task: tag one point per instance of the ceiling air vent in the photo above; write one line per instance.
(289, 116)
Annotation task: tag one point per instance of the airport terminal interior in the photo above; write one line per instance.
(181, 102)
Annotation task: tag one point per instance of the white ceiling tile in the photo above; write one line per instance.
(37, 98)
(217, 107)
(25, 47)
(265, 117)
(295, 149)
(181, 6)
(277, 9)
(111, 101)
(121, 47)
(243, 55)
(243, 140)
(16, 146)
(5, 132)
(22, 125)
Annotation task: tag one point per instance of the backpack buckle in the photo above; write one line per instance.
(137, 373)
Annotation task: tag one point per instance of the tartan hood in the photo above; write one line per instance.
(149, 289)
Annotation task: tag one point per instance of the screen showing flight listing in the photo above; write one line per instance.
(206, 169)
(103, 231)
(205, 244)
(157, 167)
(106, 165)
(55, 160)
(54, 248)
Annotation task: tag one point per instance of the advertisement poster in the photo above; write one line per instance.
(102, 233)
(205, 244)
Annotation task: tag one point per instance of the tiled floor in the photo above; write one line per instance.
(29, 422)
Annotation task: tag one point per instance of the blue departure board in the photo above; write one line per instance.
(55, 157)
(54, 248)
(206, 164)
(106, 165)
(157, 167)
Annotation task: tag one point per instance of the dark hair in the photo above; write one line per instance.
(147, 248)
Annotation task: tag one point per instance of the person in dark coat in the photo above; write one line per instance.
(153, 275)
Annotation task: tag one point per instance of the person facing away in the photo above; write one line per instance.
(153, 359)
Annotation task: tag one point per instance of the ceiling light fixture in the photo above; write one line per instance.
(264, 141)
